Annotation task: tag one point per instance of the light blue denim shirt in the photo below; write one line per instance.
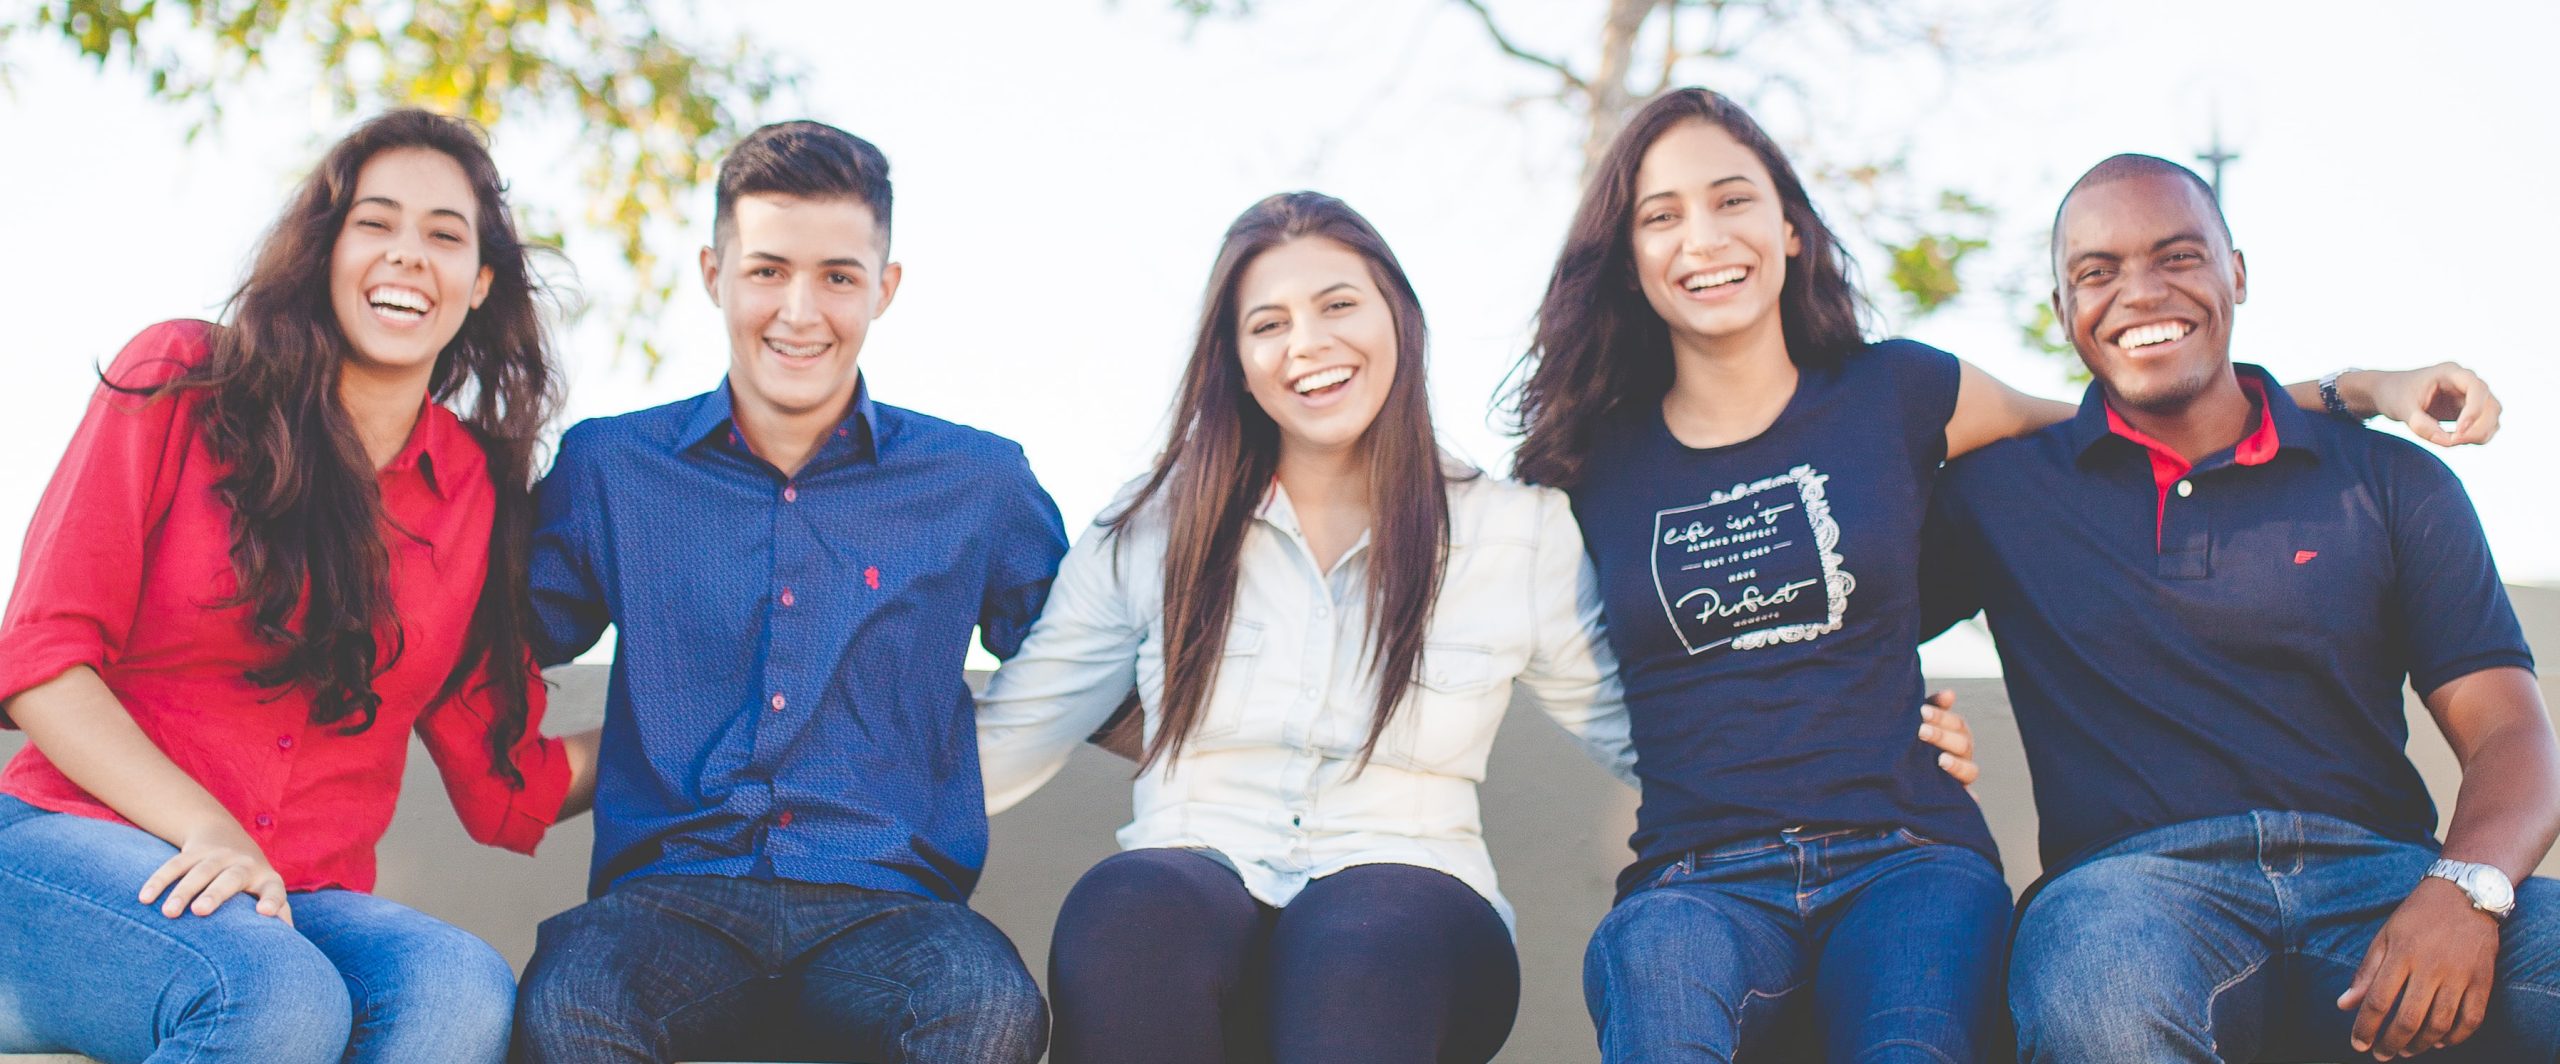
(1268, 778)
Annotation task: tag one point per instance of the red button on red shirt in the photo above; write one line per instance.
(130, 534)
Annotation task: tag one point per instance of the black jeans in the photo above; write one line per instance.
(1160, 956)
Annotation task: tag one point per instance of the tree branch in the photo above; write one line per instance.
(1502, 41)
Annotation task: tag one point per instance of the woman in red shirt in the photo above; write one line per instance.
(270, 553)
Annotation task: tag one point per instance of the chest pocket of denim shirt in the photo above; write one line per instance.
(1445, 717)
(1231, 695)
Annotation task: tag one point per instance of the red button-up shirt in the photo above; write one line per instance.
(125, 562)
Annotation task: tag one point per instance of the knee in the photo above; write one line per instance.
(991, 1013)
(283, 1003)
(1166, 882)
(449, 981)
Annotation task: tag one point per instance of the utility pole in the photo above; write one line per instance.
(2215, 156)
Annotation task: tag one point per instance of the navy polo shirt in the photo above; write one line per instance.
(788, 698)
(2183, 644)
(1763, 600)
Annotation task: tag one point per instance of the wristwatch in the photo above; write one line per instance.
(2330, 400)
(2489, 889)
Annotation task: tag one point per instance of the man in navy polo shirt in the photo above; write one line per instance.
(789, 815)
(2206, 604)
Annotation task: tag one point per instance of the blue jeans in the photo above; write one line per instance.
(1161, 957)
(669, 967)
(1888, 944)
(85, 968)
(2231, 939)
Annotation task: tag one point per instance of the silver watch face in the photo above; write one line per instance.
(2489, 888)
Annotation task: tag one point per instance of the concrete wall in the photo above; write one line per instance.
(1556, 823)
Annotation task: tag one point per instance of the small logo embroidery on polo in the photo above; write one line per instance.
(871, 576)
(2302, 557)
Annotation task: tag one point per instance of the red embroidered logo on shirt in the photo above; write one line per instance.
(871, 576)
(2303, 556)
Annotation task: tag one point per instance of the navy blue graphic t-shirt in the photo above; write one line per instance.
(1763, 601)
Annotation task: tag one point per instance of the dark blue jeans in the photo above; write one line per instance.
(2231, 939)
(1887, 944)
(1161, 957)
(671, 967)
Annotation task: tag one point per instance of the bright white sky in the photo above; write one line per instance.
(1064, 169)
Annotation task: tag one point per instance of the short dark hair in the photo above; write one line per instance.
(2116, 168)
(803, 160)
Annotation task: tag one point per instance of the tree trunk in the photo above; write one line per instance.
(1606, 101)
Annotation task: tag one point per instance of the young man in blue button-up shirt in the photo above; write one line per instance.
(2206, 603)
(789, 816)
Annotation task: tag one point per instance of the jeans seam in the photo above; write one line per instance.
(1750, 994)
(1914, 1043)
(2213, 1038)
(216, 975)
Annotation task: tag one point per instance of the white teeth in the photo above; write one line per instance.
(400, 298)
(2146, 335)
(1699, 282)
(1321, 379)
(796, 350)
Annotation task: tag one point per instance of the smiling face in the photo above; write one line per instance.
(1710, 237)
(798, 282)
(2148, 285)
(1317, 341)
(405, 270)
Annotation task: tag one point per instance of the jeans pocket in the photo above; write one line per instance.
(1914, 838)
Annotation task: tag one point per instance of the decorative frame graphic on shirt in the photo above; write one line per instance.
(1752, 566)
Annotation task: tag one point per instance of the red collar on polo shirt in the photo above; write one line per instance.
(2168, 467)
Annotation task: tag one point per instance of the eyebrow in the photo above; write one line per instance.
(2181, 237)
(1326, 291)
(1717, 183)
(395, 205)
(839, 262)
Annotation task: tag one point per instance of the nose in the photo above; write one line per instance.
(2143, 288)
(403, 249)
(800, 301)
(1308, 337)
(1703, 234)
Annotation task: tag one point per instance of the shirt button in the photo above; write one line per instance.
(786, 596)
(784, 819)
(1324, 611)
(263, 820)
(776, 703)
(284, 742)
(790, 493)
(2186, 488)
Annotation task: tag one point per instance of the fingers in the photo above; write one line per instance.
(199, 875)
(1945, 699)
(2413, 1024)
(2475, 1010)
(199, 881)
(220, 888)
(272, 900)
(1946, 730)
(2478, 422)
(166, 874)
(2364, 991)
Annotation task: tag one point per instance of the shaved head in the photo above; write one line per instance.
(2120, 167)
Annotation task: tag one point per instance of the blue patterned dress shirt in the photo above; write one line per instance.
(788, 698)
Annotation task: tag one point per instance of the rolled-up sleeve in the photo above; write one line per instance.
(80, 574)
(1571, 671)
(1075, 667)
(493, 811)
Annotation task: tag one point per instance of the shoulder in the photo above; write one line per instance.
(2401, 469)
(599, 438)
(1999, 465)
(162, 353)
(1901, 357)
(905, 433)
(1485, 508)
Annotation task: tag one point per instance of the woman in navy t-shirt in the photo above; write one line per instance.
(1750, 476)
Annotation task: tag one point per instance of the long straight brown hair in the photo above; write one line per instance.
(1600, 349)
(1224, 450)
(307, 523)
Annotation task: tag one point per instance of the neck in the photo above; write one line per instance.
(383, 405)
(1329, 478)
(2210, 421)
(1729, 390)
(786, 440)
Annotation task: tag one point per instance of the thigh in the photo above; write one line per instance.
(911, 979)
(422, 989)
(1698, 966)
(1910, 962)
(2139, 956)
(2523, 1021)
(87, 966)
(1390, 962)
(1157, 959)
(655, 967)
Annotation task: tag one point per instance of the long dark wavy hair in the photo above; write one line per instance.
(1224, 450)
(1599, 349)
(307, 522)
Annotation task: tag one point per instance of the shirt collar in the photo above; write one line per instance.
(714, 419)
(2282, 425)
(438, 439)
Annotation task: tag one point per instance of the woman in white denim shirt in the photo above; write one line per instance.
(1305, 876)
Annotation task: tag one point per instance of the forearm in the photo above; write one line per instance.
(86, 732)
(581, 749)
(2508, 811)
(2355, 388)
